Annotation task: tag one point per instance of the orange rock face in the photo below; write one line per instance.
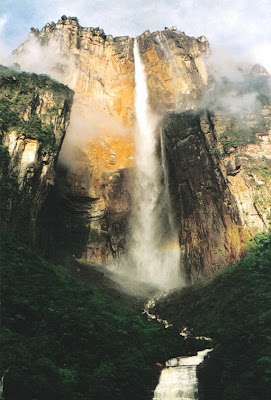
(110, 152)
(219, 203)
(99, 145)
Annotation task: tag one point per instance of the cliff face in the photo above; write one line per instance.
(175, 69)
(210, 228)
(219, 162)
(85, 222)
(247, 167)
(100, 69)
(34, 116)
(220, 171)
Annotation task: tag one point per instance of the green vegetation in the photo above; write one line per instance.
(65, 339)
(9, 191)
(19, 101)
(25, 81)
(234, 309)
(239, 105)
(8, 117)
(33, 128)
(263, 170)
(241, 136)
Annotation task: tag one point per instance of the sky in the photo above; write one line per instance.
(241, 26)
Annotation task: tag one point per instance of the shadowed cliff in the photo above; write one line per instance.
(34, 117)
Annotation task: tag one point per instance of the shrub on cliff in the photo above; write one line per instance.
(20, 98)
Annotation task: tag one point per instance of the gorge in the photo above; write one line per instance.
(130, 170)
(98, 152)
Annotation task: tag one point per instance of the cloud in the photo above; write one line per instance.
(3, 49)
(33, 57)
(3, 21)
(239, 30)
(260, 54)
(225, 21)
(234, 86)
(238, 24)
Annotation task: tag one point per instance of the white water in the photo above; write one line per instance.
(154, 250)
(173, 66)
(150, 304)
(178, 381)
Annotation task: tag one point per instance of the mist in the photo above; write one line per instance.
(243, 26)
(236, 84)
(238, 31)
(87, 123)
(34, 57)
(4, 51)
(232, 86)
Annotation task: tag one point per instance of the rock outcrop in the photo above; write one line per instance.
(247, 169)
(244, 148)
(34, 117)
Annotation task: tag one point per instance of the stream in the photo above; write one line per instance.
(178, 379)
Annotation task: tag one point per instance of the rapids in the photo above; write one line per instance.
(178, 380)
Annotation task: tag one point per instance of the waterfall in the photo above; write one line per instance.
(154, 250)
(178, 381)
(152, 259)
(173, 66)
(166, 184)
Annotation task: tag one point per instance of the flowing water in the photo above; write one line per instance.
(173, 66)
(153, 254)
(178, 380)
(154, 250)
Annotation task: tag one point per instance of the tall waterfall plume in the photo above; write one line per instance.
(154, 251)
